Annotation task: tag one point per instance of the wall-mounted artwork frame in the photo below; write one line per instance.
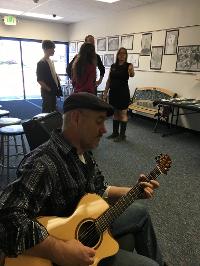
(72, 47)
(127, 41)
(108, 60)
(101, 44)
(156, 57)
(79, 43)
(133, 58)
(188, 58)
(171, 41)
(146, 44)
(113, 43)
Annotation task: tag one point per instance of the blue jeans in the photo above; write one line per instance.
(135, 220)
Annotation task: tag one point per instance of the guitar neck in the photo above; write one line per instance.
(107, 218)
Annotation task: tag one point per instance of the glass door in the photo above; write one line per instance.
(18, 63)
(60, 61)
(10, 70)
(31, 53)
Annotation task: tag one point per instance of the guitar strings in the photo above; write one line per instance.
(102, 223)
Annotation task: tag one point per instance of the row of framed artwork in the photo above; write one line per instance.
(188, 58)
(112, 43)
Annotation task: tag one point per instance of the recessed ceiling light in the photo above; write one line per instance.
(10, 11)
(108, 1)
(44, 16)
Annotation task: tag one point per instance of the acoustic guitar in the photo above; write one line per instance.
(91, 221)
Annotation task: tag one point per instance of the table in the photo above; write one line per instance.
(192, 106)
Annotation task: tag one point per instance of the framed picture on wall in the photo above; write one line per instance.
(113, 43)
(146, 44)
(127, 42)
(72, 47)
(171, 41)
(188, 58)
(156, 57)
(79, 45)
(134, 59)
(101, 44)
(108, 60)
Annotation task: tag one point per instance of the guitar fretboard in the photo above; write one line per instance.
(107, 218)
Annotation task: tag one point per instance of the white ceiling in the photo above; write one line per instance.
(72, 10)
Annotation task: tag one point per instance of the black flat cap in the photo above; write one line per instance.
(86, 100)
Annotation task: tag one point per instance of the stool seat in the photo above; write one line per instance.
(7, 121)
(0, 105)
(12, 130)
(8, 134)
(4, 113)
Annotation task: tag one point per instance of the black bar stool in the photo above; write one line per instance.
(6, 135)
(8, 121)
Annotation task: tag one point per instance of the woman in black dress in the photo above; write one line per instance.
(119, 95)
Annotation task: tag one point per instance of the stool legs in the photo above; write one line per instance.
(23, 145)
(8, 157)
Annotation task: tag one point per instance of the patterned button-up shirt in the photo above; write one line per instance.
(51, 181)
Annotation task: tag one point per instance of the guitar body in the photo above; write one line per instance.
(90, 207)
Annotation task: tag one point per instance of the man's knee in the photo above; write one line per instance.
(125, 258)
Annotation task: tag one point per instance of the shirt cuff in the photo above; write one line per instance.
(105, 194)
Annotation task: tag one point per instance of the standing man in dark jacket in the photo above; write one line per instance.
(89, 39)
(48, 79)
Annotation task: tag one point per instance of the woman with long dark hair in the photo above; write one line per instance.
(119, 94)
(84, 69)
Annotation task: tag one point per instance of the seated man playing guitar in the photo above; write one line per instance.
(55, 214)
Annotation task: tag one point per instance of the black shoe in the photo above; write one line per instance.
(120, 138)
(113, 136)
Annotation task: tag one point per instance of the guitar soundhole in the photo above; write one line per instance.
(88, 234)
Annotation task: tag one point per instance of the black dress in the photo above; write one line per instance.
(119, 94)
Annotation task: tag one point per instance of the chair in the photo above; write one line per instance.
(6, 135)
(162, 115)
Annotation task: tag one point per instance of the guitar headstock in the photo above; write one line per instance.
(164, 163)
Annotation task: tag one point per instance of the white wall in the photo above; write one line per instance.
(36, 30)
(159, 16)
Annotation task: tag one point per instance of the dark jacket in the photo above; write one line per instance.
(43, 73)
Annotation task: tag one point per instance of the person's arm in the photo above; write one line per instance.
(131, 70)
(40, 72)
(20, 204)
(105, 93)
(71, 253)
(44, 85)
(101, 70)
(114, 192)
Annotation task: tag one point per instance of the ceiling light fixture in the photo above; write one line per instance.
(10, 11)
(108, 1)
(44, 16)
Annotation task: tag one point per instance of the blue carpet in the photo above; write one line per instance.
(25, 109)
(38, 102)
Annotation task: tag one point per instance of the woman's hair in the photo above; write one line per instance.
(120, 49)
(86, 56)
